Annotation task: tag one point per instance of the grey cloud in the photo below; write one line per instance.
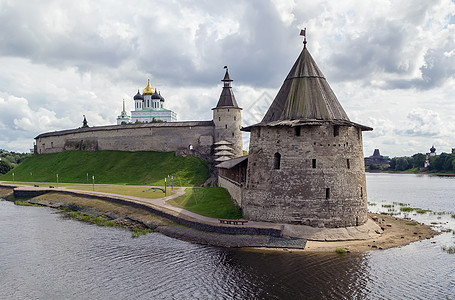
(377, 50)
(438, 68)
(423, 123)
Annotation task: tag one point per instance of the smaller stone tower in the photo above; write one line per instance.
(227, 116)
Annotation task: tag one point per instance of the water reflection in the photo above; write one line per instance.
(294, 276)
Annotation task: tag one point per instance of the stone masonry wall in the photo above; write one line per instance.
(311, 176)
(234, 189)
(135, 137)
(228, 122)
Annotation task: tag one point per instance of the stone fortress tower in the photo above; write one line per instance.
(227, 117)
(306, 163)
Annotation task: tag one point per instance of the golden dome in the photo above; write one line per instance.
(148, 89)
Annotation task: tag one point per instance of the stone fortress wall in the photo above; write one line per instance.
(215, 140)
(194, 138)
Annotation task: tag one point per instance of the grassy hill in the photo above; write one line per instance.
(115, 167)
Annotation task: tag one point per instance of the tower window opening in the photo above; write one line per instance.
(348, 163)
(228, 109)
(327, 193)
(277, 161)
(314, 163)
(336, 131)
(235, 118)
(259, 132)
(297, 131)
(232, 134)
(361, 192)
(359, 133)
(225, 126)
(219, 118)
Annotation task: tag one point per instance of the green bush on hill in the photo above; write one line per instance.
(114, 167)
(5, 166)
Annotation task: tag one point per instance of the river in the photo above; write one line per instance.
(44, 255)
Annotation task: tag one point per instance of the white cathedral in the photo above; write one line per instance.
(148, 108)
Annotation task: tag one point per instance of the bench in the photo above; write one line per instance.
(36, 185)
(235, 222)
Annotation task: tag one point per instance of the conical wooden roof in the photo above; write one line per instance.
(305, 95)
(227, 98)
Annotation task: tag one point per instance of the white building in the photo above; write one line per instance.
(123, 118)
(149, 107)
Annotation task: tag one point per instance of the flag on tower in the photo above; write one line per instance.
(302, 32)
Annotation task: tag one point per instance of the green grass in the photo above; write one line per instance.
(127, 190)
(25, 203)
(340, 250)
(89, 219)
(450, 250)
(114, 167)
(388, 205)
(406, 209)
(137, 232)
(211, 202)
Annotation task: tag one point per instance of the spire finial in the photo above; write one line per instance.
(227, 80)
(303, 33)
(123, 105)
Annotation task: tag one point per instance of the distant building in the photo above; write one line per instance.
(377, 159)
(123, 118)
(428, 155)
(432, 151)
(149, 107)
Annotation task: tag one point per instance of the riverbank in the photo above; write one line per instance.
(412, 172)
(381, 231)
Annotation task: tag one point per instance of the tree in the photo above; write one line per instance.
(5, 166)
(418, 160)
(402, 164)
(393, 163)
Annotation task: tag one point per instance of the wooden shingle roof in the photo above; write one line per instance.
(305, 94)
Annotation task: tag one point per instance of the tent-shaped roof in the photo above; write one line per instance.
(305, 94)
(227, 98)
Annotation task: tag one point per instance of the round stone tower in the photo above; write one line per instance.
(227, 116)
(306, 163)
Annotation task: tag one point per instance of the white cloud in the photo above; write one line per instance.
(389, 62)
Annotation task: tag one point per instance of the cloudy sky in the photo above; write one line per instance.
(390, 63)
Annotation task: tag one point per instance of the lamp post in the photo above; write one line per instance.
(172, 182)
(31, 177)
(87, 178)
(93, 178)
(13, 178)
(165, 186)
(57, 180)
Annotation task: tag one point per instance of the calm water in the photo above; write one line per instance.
(46, 256)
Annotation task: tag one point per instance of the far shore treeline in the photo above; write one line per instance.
(113, 167)
(443, 163)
